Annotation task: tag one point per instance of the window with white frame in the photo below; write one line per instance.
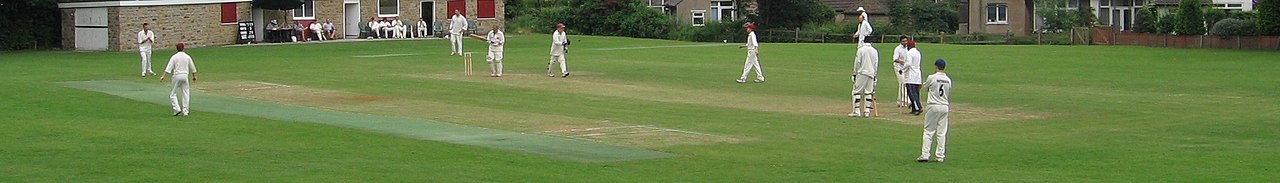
(998, 13)
(307, 11)
(388, 8)
(722, 11)
(699, 17)
(1073, 4)
(659, 5)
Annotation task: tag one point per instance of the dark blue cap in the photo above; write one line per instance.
(940, 63)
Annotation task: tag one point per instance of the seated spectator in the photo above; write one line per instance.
(273, 25)
(300, 31)
(386, 28)
(319, 31)
(376, 27)
(423, 29)
(328, 29)
(400, 29)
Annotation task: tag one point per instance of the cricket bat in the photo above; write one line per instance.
(478, 37)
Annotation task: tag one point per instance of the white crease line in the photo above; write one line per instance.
(272, 84)
(269, 86)
(596, 128)
(682, 131)
(651, 47)
(619, 133)
(384, 55)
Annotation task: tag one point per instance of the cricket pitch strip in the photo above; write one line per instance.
(218, 98)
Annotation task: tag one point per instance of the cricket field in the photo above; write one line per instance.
(636, 110)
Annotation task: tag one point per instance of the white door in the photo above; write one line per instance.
(353, 20)
(258, 24)
(91, 29)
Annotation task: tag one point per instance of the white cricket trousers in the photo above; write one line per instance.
(753, 62)
(495, 60)
(146, 62)
(903, 100)
(560, 59)
(935, 125)
(181, 91)
(455, 40)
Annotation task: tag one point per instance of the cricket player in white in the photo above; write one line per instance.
(398, 28)
(457, 24)
(753, 51)
(318, 29)
(496, 40)
(911, 73)
(935, 116)
(180, 66)
(864, 79)
(900, 54)
(387, 30)
(864, 26)
(145, 38)
(558, 43)
(423, 28)
(373, 26)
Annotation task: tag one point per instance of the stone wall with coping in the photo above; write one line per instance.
(196, 25)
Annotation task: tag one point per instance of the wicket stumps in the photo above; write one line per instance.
(466, 63)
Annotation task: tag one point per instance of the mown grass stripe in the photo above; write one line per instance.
(577, 150)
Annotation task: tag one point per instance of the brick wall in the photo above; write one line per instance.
(196, 25)
(442, 13)
(332, 11)
(68, 29)
(410, 12)
(1108, 36)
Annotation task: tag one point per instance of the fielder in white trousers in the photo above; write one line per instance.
(496, 40)
(145, 38)
(457, 25)
(936, 114)
(900, 55)
(558, 40)
(864, 80)
(753, 60)
(183, 70)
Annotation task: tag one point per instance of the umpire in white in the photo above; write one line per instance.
(180, 66)
(864, 79)
(457, 24)
(935, 115)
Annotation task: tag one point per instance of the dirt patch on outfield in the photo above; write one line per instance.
(960, 113)
(554, 125)
(593, 86)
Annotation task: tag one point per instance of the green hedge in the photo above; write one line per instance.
(1190, 18)
(630, 18)
(716, 31)
(30, 24)
(1233, 27)
(1268, 17)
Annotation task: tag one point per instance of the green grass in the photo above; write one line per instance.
(1107, 114)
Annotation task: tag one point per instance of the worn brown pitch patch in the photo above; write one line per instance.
(825, 106)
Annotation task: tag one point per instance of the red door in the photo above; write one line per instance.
(460, 6)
